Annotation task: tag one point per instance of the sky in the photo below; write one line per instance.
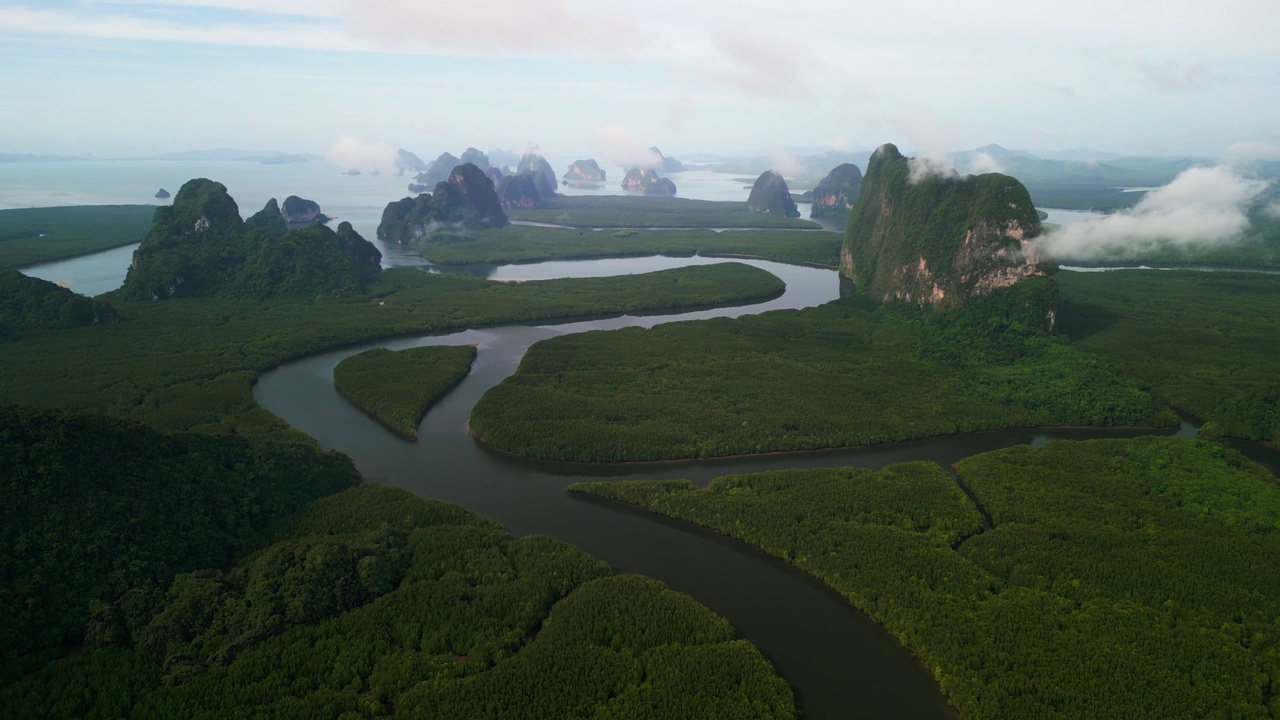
(603, 78)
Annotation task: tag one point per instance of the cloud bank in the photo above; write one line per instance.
(615, 144)
(351, 154)
(1201, 208)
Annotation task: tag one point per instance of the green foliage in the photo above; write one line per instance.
(1202, 342)
(30, 304)
(97, 507)
(30, 236)
(398, 387)
(626, 211)
(899, 220)
(373, 603)
(1136, 579)
(530, 244)
(839, 375)
(189, 364)
(199, 246)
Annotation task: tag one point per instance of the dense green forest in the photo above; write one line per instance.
(1104, 579)
(626, 211)
(374, 603)
(850, 372)
(523, 243)
(1203, 342)
(200, 246)
(397, 387)
(97, 509)
(189, 363)
(30, 236)
(30, 305)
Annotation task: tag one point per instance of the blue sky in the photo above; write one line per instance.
(114, 77)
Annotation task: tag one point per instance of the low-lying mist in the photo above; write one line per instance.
(1201, 209)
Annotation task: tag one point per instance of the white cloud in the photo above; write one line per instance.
(757, 64)
(1201, 207)
(615, 144)
(1245, 153)
(1174, 77)
(491, 26)
(925, 167)
(981, 163)
(351, 154)
(679, 113)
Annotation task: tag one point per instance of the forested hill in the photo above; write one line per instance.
(926, 235)
(182, 576)
(201, 246)
(30, 304)
(96, 508)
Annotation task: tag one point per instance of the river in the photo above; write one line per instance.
(840, 663)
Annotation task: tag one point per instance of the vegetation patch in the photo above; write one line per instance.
(374, 603)
(98, 508)
(30, 236)
(1118, 578)
(626, 211)
(398, 387)
(518, 243)
(189, 363)
(847, 373)
(1203, 342)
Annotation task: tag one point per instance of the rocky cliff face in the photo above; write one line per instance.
(299, 211)
(467, 199)
(520, 191)
(669, 164)
(837, 192)
(406, 160)
(438, 170)
(937, 240)
(770, 196)
(537, 164)
(584, 171)
(648, 182)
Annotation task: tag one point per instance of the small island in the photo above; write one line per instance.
(770, 196)
(162, 194)
(396, 388)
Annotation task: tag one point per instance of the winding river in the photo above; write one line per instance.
(839, 662)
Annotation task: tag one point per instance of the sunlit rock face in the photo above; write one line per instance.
(932, 237)
(837, 192)
(648, 182)
(584, 171)
(770, 196)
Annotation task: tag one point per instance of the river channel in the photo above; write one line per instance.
(840, 663)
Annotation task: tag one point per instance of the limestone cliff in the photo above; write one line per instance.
(533, 162)
(520, 191)
(770, 196)
(199, 246)
(669, 164)
(584, 171)
(467, 199)
(937, 239)
(648, 182)
(837, 192)
(300, 211)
